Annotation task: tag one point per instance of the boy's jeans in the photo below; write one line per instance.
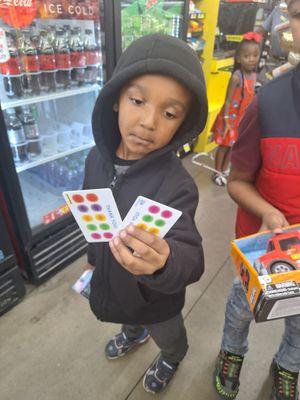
(237, 321)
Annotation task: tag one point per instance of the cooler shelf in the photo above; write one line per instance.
(49, 96)
(55, 156)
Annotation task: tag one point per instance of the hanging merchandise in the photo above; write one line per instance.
(195, 29)
(140, 17)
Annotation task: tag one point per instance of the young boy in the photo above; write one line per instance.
(265, 183)
(154, 102)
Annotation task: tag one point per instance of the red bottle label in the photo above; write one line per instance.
(78, 59)
(11, 67)
(31, 63)
(63, 61)
(92, 57)
(47, 62)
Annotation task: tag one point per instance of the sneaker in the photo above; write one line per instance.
(159, 375)
(119, 345)
(219, 179)
(284, 383)
(227, 373)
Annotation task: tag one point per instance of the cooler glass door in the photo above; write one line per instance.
(143, 17)
(52, 67)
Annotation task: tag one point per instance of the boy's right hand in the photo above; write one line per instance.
(273, 221)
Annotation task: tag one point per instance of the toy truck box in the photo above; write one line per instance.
(268, 266)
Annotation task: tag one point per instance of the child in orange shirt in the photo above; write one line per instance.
(240, 92)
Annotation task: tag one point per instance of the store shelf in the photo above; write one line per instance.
(55, 156)
(49, 96)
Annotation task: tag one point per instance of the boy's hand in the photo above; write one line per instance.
(150, 252)
(274, 221)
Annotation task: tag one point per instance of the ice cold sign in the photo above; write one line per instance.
(72, 10)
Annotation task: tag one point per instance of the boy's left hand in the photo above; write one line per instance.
(150, 252)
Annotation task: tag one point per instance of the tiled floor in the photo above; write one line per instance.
(51, 346)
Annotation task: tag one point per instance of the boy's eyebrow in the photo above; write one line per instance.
(170, 101)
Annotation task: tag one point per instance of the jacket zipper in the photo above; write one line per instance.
(115, 182)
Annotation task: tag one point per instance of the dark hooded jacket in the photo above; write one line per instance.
(116, 294)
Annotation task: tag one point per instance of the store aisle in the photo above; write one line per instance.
(51, 346)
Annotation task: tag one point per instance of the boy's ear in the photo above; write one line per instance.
(116, 107)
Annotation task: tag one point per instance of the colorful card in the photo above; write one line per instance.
(95, 212)
(151, 216)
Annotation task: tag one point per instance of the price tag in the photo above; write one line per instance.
(4, 52)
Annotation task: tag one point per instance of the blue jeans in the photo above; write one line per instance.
(237, 322)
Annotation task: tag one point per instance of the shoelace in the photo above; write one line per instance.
(231, 370)
(162, 371)
(287, 386)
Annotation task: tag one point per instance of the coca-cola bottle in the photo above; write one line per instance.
(31, 65)
(16, 136)
(63, 60)
(51, 32)
(78, 59)
(92, 53)
(31, 130)
(12, 70)
(47, 63)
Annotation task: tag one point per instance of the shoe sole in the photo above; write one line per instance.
(123, 354)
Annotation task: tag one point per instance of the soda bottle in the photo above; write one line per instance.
(51, 33)
(78, 58)
(31, 65)
(92, 53)
(47, 63)
(16, 136)
(63, 60)
(12, 70)
(34, 148)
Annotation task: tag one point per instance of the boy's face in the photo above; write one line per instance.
(294, 14)
(151, 109)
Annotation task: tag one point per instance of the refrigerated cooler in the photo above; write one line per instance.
(12, 288)
(52, 65)
(136, 18)
(55, 56)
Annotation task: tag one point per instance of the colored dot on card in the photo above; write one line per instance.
(91, 227)
(96, 235)
(104, 227)
(142, 226)
(78, 198)
(92, 197)
(154, 209)
(83, 208)
(108, 235)
(87, 218)
(155, 231)
(100, 217)
(160, 222)
(96, 207)
(166, 214)
(147, 218)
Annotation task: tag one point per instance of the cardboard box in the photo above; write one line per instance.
(256, 258)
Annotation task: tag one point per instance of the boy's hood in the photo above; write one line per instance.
(153, 54)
